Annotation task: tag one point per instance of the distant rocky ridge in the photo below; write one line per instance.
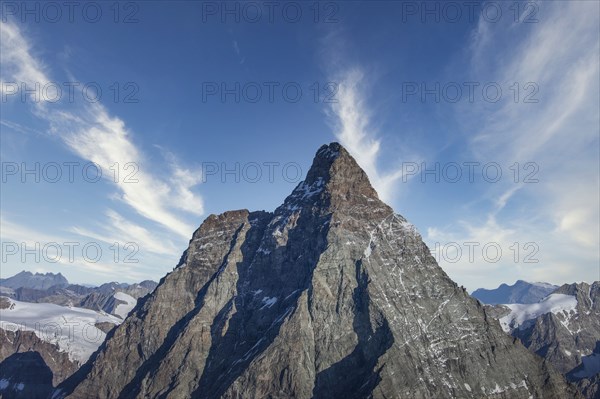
(41, 344)
(519, 292)
(37, 281)
(333, 295)
(45, 365)
(564, 328)
(106, 298)
(27, 287)
(32, 359)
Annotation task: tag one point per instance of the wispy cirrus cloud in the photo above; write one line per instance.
(121, 230)
(164, 198)
(95, 135)
(559, 56)
(17, 60)
(353, 128)
(89, 131)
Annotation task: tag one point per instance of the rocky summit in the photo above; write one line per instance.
(333, 295)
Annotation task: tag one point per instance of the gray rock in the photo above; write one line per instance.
(331, 296)
(105, 326)
(5, 303)
(496, 311)
(102, 298)
(590, 387)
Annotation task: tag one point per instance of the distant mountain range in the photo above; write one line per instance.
(564, 328)
(37, 281)
(519, 292)
(55, 288)
(41, 344)
(49, 328)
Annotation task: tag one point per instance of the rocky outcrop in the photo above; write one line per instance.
(105, 326)
(30, 367)
(5, 303)
(589, 387)
(331, 296)
(106, 298)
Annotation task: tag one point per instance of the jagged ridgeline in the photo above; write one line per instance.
(333, 295)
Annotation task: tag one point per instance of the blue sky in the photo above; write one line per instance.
(172, 95)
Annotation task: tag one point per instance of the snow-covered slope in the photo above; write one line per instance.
(521, 313)
(72, 329)
(123, 309)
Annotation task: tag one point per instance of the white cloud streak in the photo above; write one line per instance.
(96, 136)
(354, 131)
(559, 133)
(17, 61)
(93, 134)
(160, 196)
(123, 231)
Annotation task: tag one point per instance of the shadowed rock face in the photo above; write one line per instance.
(15, 342)
(331, 296)
(25, 375)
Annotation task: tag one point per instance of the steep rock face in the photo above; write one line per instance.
(331, 296)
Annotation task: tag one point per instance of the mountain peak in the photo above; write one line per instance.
(331, 296)
(334, 169)
(323, 161)
(331, 150)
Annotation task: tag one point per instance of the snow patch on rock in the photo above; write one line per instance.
(268, 302)
(123, 309)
